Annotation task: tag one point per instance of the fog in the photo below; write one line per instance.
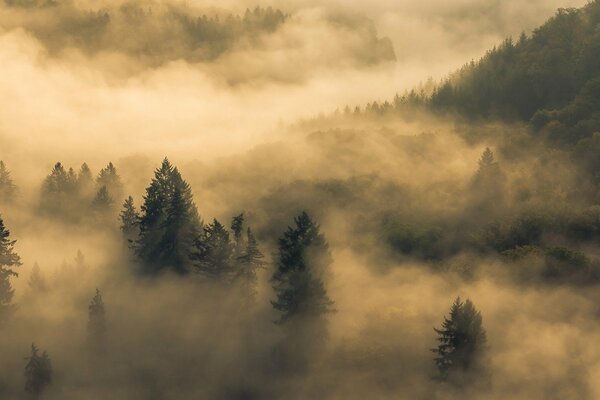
(254, 119)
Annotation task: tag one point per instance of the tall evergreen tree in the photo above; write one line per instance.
(97, 321)
(298, 280)
(59, 193)
(109, 178)
(85, 182)
(129, 219)
(213, 256)
(237, 227)
(38, 372)
(7, 186)
(8, 261)
(168, 224)
(103, 202)
(462, 343)
(250, 261)
(6, 296)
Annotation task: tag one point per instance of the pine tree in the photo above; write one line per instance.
(213, 256)
(129, 219)
(37, 282)
(489, 172)
(97, 321)
(6, 296)
(298, 280)
(102, 202)
(85, 182)
(8, 260)
(250, 261)
(7, 186)
(58, 192)
(168, 224)
(237, 227)
(38, 372)
(109, 178)
(462, 342)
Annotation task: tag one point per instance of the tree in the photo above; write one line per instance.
(462, 343)
(129, 219)
(37, 282)
(488, 183)
(168, 224)
(97, 321)
(7, 186)
(250, 261)
(298, 280)
(109, 178)
(102, 202)
(8, 260)
(38, 372)
(58, 190)
(213, 255)
(85, 182)
(80, 264)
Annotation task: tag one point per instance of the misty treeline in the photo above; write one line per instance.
(162, 32)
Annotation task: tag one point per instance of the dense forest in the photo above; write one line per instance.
(439, 245)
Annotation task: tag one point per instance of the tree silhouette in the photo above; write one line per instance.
(38, 372)
(7, 186)
(462, 343)
(97, 321)
(303, 260)
(213, 255)
(37, 282)
(129, 219)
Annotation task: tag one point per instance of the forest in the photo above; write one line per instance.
(183, 216)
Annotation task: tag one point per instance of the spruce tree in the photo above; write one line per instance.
(109, 178)
(168, 224)
(462, 343)
(38, 372)
(250, 261)
(85, 183)
(298, 280)
(96, 321)
(8, 261)
(103, 202)
(213, 255)
(7, 186)
(237, 227)
(129, 219)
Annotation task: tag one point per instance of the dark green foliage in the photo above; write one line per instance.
(7, 186)
(298, 280)
(96, 321)
(462, 343)
(129, 219)
(214, 254)
(38, 372)
(169, 223)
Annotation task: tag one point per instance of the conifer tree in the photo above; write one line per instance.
(129, 219)
(38, 372)
(7, 186)
(250, 261)
(102, 202)
(237, 227)
(462, 342)
(37, 282)
(109, 178)
(85, 182)
(213, 256)
(8, 261)
(168, 224)
(298, 280)
(97, 321)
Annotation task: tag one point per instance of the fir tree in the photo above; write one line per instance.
(129, 219)
(38, 372)
(6, 296)
(462, 342)
(7, 187)
(237, 227)
(8, 261)
(213, 256)
(250, 261)
(298, 280)
(97, 321)
(168, 224)
(109, 178)
(102, 202)
(37, 282)
(85, 182)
